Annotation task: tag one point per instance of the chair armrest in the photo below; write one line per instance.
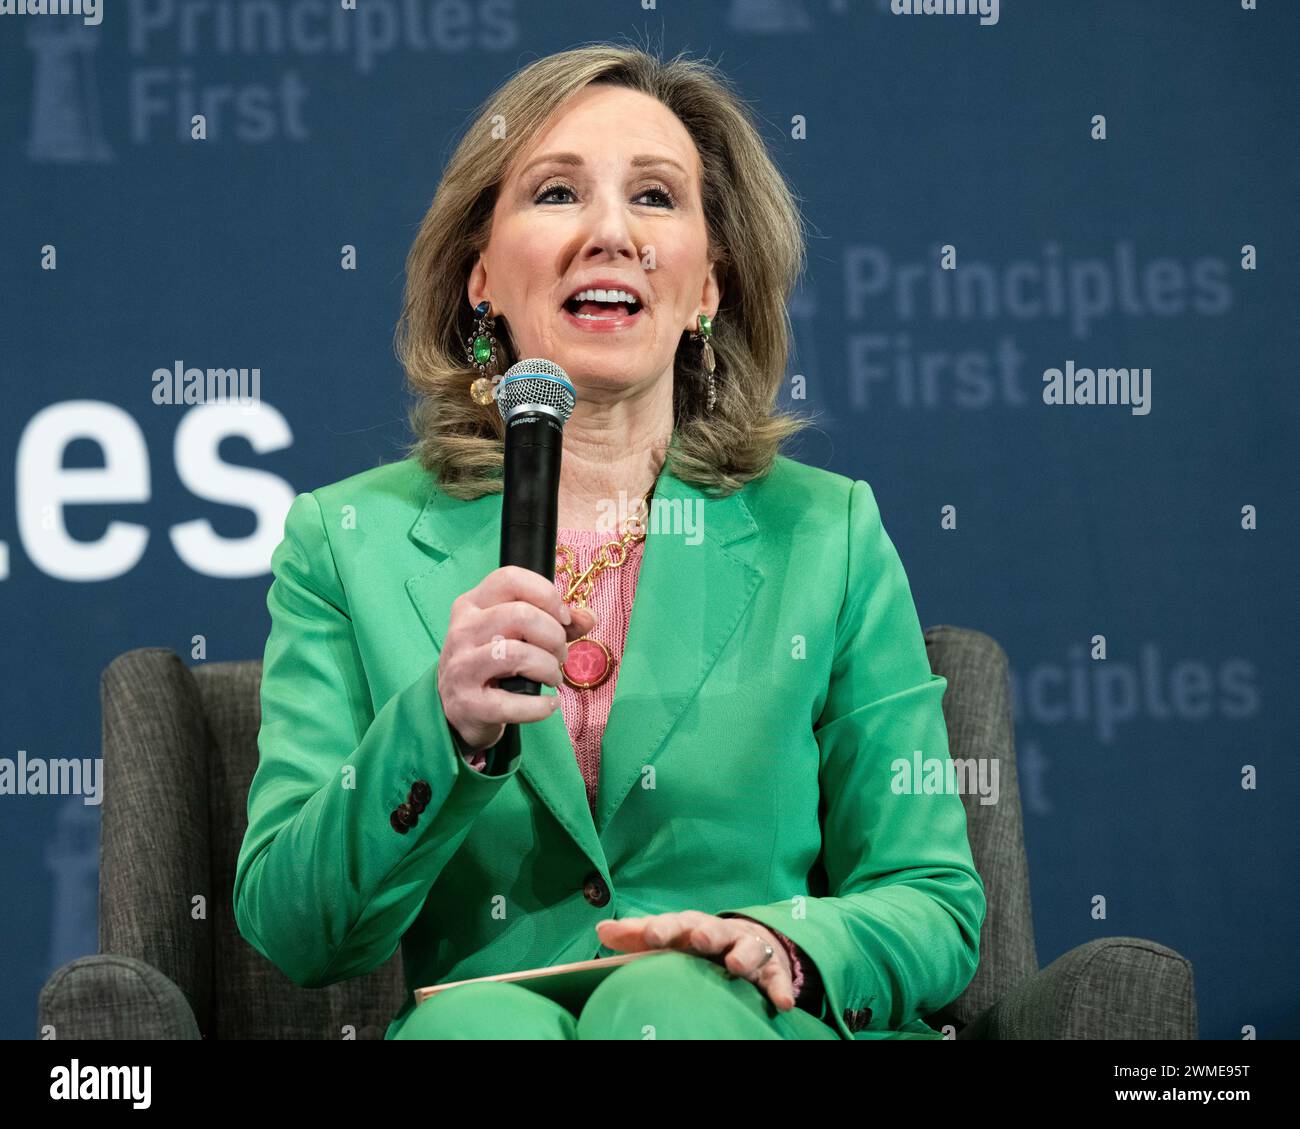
(112, 997)
(1111, 988)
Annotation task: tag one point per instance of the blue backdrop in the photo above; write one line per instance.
(1156, 777)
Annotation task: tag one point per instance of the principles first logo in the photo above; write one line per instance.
(222, 71)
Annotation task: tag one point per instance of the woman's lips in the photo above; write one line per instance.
(601, 318)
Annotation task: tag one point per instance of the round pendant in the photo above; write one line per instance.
(588, 665)
(482, 391)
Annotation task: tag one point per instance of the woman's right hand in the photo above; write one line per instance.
(512, 622)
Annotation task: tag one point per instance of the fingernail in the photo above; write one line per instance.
(566, 616)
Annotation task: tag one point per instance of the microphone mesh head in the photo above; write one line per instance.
(536, 383)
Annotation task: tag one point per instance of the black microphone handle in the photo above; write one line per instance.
(530, 504)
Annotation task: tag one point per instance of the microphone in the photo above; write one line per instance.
(535, 399)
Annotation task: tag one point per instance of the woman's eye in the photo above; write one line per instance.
(659, 196)
(547, 192)
(664, 197)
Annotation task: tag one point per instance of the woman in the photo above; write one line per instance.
(716, 778)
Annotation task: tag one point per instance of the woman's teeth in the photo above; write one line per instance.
(604, 296)
(597, 304)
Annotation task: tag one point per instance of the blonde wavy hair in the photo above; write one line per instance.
(755, 234)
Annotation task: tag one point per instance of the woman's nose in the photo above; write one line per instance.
(610, 231)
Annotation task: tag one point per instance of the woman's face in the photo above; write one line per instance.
(607, 198)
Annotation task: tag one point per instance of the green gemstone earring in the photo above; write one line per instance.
(702, 334)
(481, 352)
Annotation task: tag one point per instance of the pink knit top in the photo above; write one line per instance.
(587, 711)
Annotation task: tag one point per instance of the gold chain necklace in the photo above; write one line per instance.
(590, 662)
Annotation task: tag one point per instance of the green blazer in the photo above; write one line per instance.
(774, 670)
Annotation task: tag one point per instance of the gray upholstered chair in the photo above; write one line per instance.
(180, 748)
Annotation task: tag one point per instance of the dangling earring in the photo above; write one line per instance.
(481, 352)
(702, 333)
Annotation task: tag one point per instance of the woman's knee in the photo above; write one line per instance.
(675, 995)
(488, 1011)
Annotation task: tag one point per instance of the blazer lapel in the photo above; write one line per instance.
(695, 584)
(466, 536)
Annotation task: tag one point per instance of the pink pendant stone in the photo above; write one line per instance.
(588, 664)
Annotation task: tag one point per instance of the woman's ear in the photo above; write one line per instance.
(476, 286)
(711, 295)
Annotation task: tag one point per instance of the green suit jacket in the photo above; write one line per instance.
(774, 670)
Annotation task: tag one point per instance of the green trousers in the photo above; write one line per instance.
(674, 996)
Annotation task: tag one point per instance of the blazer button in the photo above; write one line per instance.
(857, 1019)
(416, 805)
(595, 890)
(405, 815)
(421, 793)
(396, 824)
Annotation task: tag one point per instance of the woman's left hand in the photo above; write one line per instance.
(737, 940)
